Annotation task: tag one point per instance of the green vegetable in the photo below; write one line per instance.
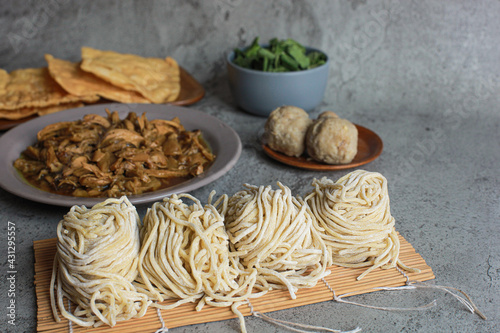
(280, 56)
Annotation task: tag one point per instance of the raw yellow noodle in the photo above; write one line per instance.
(272, 232)
(354, 218)
(185, 256)
(95, 264)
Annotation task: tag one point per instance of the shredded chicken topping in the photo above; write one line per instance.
(109, 157)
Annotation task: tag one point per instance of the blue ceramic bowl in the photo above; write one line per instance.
(259, 92)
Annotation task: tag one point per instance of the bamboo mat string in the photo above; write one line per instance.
(467, 301)
(410, 284)
(469, 304)
(163, 328)
(404, 274)
(340, 299)
(290, 325)
(70, 323)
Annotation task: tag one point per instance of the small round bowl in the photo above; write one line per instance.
(260, 92)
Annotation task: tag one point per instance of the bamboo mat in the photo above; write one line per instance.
(342, 280)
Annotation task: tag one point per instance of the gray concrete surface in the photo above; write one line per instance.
(424, 75)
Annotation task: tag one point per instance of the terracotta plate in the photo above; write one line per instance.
(369, 148)
(191, 92)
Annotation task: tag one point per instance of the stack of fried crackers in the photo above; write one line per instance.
(124, 78)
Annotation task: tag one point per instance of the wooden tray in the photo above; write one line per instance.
(369, 148)
(191, 92)
(342, 280)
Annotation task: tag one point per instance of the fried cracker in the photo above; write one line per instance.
(80, 83)
(17, 113)
(29, 111)
(156, 79)
(57, 108)
(34, 87)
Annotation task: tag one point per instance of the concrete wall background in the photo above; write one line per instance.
(385, 54)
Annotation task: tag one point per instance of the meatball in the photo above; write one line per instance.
(332, 140)
(285, 130)
(329, 114)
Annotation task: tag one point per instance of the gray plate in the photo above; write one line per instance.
(223, 140)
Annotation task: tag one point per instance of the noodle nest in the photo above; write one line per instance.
(354, 219)
(185, 256)
(271, 230)
(87, 269)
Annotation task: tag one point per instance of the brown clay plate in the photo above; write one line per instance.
(369, 148)
(191, 92)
